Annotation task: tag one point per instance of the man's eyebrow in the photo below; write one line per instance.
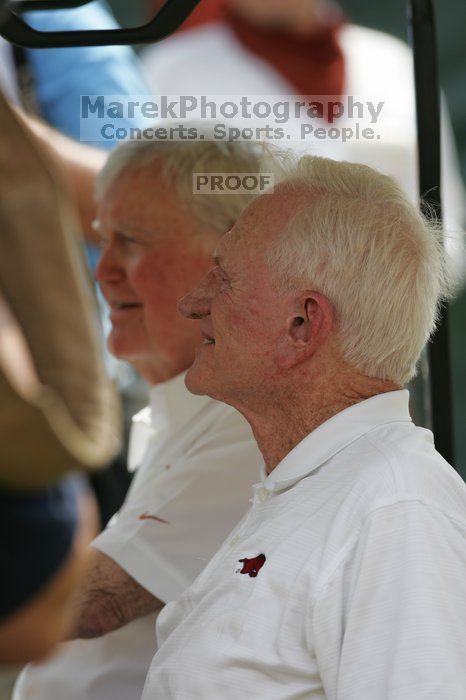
(122, 228)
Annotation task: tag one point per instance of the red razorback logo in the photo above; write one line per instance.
(252, 566)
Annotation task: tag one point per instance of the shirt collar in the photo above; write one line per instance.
(335, 434)
(172, 405)
(171, 408)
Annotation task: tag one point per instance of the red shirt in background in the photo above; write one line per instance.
(313, 65)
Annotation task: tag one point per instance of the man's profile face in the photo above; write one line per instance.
(242, 316)
(152, 254)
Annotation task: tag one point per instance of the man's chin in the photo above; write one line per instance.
(194, 383)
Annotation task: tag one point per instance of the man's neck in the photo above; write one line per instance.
(293, 414)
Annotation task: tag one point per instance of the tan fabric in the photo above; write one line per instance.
(70, 420)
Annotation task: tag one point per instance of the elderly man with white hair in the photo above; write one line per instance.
(346, 579)
(157, 241)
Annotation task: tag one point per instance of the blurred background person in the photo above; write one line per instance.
(48, 84)
(309, 48)
(58, 414)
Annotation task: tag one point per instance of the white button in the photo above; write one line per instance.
(262, 494)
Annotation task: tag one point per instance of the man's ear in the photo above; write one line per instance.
(306, 330)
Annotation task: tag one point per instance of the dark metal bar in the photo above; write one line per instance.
(423, 39)
(15, 30)
(28, 5)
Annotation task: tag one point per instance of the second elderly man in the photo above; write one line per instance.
(157, 242)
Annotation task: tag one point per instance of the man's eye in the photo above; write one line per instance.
(125, 239)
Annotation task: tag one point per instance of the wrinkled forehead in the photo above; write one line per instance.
(264, 220)
(128, 190)
(140, 198)
(240, 239)
(143, 179)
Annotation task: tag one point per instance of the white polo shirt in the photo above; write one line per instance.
(346, 579)
(197, 461)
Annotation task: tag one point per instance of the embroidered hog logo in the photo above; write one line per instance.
(252, 566)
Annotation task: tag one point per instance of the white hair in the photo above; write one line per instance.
(177, 161)
(357, 240)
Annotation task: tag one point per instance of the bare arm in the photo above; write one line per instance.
(80, 164)
(108, 599)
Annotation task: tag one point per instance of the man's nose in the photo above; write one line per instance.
(196, 304)
(109, 269)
